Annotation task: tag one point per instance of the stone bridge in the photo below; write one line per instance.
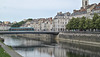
(29, 32)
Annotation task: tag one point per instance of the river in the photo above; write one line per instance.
(35, 48)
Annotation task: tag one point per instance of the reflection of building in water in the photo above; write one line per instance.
(63, 50)
(56, 52)
(66, 50)
(80, 50)
(50, 51)
(31, 42)
(60, 52)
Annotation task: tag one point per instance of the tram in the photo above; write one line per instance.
(21, 29)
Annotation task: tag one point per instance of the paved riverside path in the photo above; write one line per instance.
(11, 52)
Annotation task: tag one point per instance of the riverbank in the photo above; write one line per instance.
(39, 37)
(2, 51)
(92, 39)
(84, 38)
(5, 51)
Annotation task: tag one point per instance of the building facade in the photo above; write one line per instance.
(4, 27)
(85, 3)
(86, 10)
(60, 21)
(41, 24)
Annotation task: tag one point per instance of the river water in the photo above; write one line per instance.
(35, 48)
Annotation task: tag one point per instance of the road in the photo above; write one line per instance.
(11, 52)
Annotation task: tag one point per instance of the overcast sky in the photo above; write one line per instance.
(17, 10)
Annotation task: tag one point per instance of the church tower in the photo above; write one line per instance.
(85, 3)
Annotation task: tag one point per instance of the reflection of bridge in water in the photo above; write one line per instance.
(29, 32)
(63, 51)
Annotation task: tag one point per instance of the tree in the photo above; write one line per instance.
(18, 24)
(0, 21)
(82, 23)
(88, 24)
(73, 24)
(95, 17)
(97, 24)
(30, 19)
(21, 23)
(70, 24)
(76, 23)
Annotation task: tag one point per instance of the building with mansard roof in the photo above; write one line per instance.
(41, 24)
(87, 10)
(60, 20)
(96, 9)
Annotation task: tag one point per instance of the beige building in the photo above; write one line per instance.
(6, 22)
(4, 27)
(40, 24)
(14, 22)
(48, 24)
(86, 10)
(60, 21)
(96, 9)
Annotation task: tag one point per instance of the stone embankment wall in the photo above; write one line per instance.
(80, 38)
(41, 37)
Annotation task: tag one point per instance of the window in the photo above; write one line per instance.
(85, 2)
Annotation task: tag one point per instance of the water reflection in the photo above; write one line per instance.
(20, 41)
(34, 48)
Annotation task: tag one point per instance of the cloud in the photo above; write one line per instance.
(20, 9)
(38, 4)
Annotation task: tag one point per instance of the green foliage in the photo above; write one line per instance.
(73, 24)
(70, 24)
(21, 23)
(88, 24)
(84, 23)
(76, 23)
(97, 23)
(3, 53)
(18, 24)
(30, 19)
(95, 17)
(70, 54)
(0, 21)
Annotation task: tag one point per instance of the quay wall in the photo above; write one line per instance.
(40, 37)
(80, 38)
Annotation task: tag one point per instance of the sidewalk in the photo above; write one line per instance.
(11, 52)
